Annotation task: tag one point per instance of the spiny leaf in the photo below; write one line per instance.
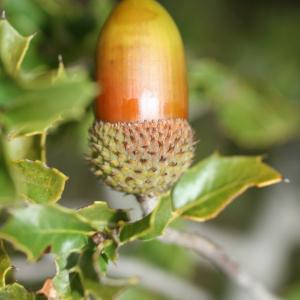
(13, 47)
(39, 183)
(41, 107)
(252, 116)
(34, 228)
(32, 103)
(208, 187)
(102, 216)
(81, 280)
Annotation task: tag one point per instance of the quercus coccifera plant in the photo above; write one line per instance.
(141, 141)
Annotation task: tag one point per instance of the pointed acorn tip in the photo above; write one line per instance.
(141, 65)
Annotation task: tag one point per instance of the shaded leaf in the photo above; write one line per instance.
(34, 228)
(102, 216)
(208, 187)
(5, 265)
(80, 279)
(151, 226)
(253, 117)
(67, 286)
(91, 281)
(9, 89)
(7, 188)
(15, 292)
(39, 183)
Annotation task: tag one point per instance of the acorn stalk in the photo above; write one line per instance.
(141, 141)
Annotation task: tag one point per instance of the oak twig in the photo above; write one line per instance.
(219, 258)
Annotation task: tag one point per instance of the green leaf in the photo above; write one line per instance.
(24, 148)
(7, 188)
(253, 117)
(7, 191)
(91, 281)
(41, 107)
(9, 89)
(101, 216)
(13, 47)
(5, 265)
(15, 292)
(63, 283)
(34, 228)
(32, 103)
(151, 226)
(138, 294)
(293, 293)
(208, 187)
(39, 183)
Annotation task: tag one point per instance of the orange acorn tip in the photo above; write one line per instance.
(141, 65)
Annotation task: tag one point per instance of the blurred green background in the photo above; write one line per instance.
(244, 69)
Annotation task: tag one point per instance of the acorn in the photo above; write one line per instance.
(141, 141)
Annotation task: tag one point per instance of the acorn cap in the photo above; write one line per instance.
(141, 158)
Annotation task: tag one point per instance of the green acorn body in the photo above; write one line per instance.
(141, 142)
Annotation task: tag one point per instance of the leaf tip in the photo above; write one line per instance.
(270, 182)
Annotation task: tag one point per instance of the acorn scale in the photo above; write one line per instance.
(141, 141)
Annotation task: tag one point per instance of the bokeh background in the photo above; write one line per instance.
(244, 68)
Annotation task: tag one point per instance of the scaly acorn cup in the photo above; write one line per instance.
(141, 141)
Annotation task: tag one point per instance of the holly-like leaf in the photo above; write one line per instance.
(208, 187)
(39, 183)
(81, 278)
(43, 106)
(32, 103)
(151, 226)
(15, 292)
(251, 116)
(35, 228)
(102, 216)
(5, 265)
(13, 47)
